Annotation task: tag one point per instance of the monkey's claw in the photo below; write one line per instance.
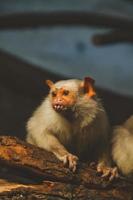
(71, 160)
(108, 172)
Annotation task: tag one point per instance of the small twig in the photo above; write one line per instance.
(116, 36)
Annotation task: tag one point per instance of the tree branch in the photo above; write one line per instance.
(63, 18)
(51, 177)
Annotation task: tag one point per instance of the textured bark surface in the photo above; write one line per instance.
(28, 172)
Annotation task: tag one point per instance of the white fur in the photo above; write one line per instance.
(71, 84)
(49, 129)
(46, 120)
(122, 146)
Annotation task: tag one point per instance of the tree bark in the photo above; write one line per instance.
(28, 172)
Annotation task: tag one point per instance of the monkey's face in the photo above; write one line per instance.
(65, 94)
(62, 99)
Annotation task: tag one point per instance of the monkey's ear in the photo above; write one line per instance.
(89, 80)
(50, 83)
(87, 85)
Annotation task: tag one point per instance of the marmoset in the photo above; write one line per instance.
(122, 147)
(72, 124)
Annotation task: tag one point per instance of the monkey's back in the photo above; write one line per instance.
(122, 147)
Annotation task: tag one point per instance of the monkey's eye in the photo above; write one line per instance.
(66, 92)
(53, 93)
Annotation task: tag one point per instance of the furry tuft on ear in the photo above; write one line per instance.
(87, 84)
(89, 80)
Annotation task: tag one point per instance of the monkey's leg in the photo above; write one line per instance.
(104, 167)
(50, 143)
(107, 171)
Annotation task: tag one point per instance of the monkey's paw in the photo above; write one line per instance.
(70, 160)
(108, 172)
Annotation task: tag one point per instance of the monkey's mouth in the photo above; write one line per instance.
(59, 107)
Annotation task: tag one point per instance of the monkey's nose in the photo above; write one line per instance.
(58, 101)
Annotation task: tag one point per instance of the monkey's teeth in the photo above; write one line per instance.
(55, 107)
(58, 107)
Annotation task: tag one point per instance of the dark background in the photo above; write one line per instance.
(56, 40)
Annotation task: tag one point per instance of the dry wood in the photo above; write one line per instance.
(58, 191)
(28, 172)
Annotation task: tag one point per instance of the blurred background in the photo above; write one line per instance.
(60, 39)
